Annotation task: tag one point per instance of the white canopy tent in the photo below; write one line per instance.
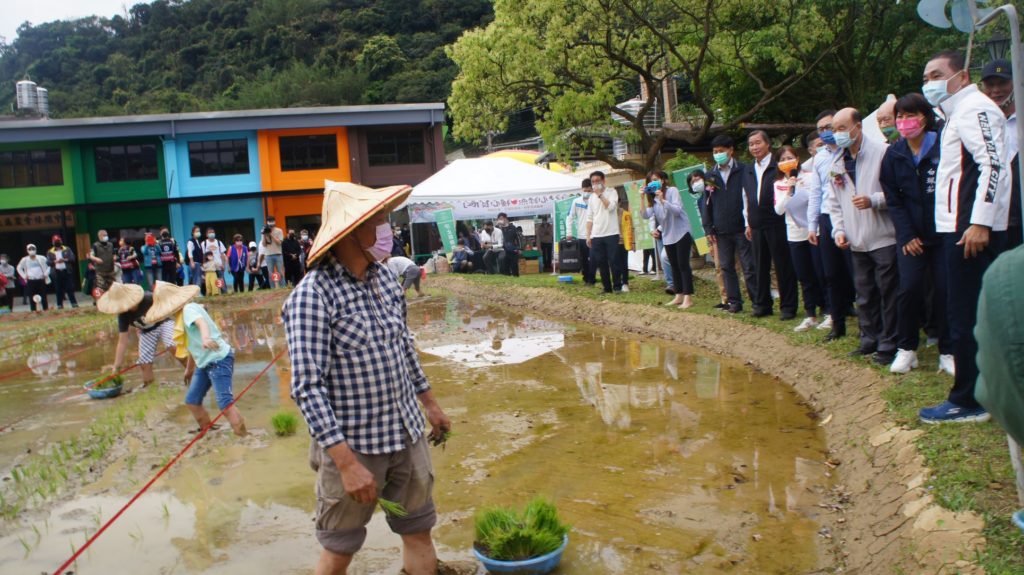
(479, 188)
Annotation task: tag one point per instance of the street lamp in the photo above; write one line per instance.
(997, 47)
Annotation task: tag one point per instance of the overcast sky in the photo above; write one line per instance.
(15, 12)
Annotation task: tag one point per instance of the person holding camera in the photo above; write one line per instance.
(273, 236)
(665, 206)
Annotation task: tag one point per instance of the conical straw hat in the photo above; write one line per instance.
(120, 298)
(168, 299)
(348, 205)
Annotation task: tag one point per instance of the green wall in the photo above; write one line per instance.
(41, 196)
(94, 192)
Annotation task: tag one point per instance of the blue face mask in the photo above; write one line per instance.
(827, 137)
(843, 139)
(937, 91)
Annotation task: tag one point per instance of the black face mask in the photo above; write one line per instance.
(57, 244)
(165, 235)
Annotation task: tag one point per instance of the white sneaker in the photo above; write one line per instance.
(905, 361)
(826, 324)
(805, 325)
(947, 364)
(625, 288)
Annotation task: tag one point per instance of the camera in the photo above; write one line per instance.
(652, 188)
(267, 230)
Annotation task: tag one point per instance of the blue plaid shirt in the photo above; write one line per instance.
(355, 372)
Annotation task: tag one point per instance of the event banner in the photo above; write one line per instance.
(560, 212)
(637, 205)
(691, 207)
(446, 229)
(487, 209)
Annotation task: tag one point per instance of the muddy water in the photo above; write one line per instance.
(663, 459)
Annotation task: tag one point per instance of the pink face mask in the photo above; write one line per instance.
(909, 127)
(382, 248)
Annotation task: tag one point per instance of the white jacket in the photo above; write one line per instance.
(973, 181)
(866, 230)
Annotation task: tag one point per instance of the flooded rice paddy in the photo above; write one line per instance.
(662, 458)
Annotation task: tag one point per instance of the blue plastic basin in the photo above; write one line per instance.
(536, 566)
(102, 393)
(565, 279)
(1018, 519)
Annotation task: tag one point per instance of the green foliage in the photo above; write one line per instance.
(505, 535)
(682, 160)
(284, 423)
(175, 56)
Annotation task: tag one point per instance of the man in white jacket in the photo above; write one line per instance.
(971, 211)
(575, 230)
(861, 224)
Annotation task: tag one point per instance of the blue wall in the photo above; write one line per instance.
(181, 184)
(185, 215)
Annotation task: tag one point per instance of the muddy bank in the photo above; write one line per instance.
(883, 520)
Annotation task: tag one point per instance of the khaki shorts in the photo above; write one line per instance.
(405, 477)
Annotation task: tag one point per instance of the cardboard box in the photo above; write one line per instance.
(529, 267)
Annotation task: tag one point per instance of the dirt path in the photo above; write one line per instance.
(884, 519)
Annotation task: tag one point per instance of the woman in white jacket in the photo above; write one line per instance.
(791, 197)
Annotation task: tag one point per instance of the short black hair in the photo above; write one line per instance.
(914, 103)
(209, 253)
(809, 137)
(598, 173)
(693, 174)
(586, 183)
(824, 114)
(502, 215)
(488, 223)
(723, 141)
(955, 58)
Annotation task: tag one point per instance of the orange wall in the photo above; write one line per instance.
(283, 206)
(273, 179)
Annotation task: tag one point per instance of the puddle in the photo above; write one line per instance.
(662, 458)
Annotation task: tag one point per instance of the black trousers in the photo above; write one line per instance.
(679, 260)
(731, 246)
(492, 259)
(838, 274)
(963, 287)
(292, 271)
(772, 246)
(238, 278)
(586, 265)
(169, 272)
(34, 287)
(64, 285)
(606, 258)
(649, 255)
(916, 274)
(809, 272)
(508, 262)
(546, 251)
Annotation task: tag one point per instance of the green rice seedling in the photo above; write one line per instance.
(442, 439)
(167, 512)
(505, 535)
(391, 508)
(24, 545)
(284, 423)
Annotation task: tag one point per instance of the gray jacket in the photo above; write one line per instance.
(866, 230)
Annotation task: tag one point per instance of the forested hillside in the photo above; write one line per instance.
(192, 55)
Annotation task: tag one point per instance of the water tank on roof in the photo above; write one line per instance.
(26, 92)
(43, 102)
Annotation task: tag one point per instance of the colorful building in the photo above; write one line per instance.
(220, 170)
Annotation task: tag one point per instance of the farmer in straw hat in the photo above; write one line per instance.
(211, 361)
(130, 304)
(356, 377)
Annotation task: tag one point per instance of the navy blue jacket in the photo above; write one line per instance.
(722, 211)
(910, 192)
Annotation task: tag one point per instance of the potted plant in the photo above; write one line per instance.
(105, 388)
(527, 543)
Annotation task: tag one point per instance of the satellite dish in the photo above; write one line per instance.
(934, 12)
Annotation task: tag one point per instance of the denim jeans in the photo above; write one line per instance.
(196, 277)
(275, 264)
(132, 276)
(216, 373)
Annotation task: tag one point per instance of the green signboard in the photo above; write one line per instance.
(446, 228)
(637, 205)
(562, 208)
(690, 206)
